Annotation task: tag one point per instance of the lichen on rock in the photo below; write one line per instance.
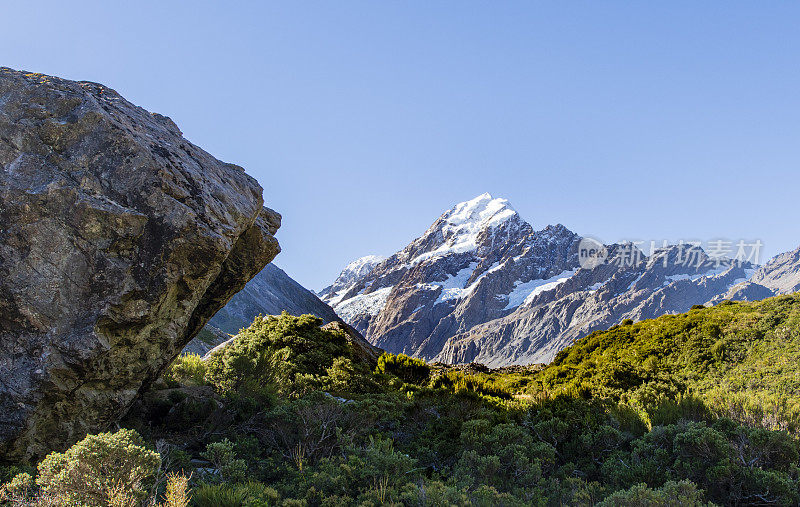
(119, 239)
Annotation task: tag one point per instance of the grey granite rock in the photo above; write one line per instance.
(119, 239)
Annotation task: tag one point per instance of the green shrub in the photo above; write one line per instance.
(732, 463)
(503, 456)
(9, 472)
(746, 356)
(672, 494)
(223, 456)
(459, 383)
(177, 491)
(219, 495)
(407, 368)
(249, 494)
(292, 355)
(187, 369)
(100, 469)
(684, 408)
(19, 490)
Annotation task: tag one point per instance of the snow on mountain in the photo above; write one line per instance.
(455, 286)
(480, 284)
(459, 272)
(463, 225)
(357, 269)
(363, 304)
(361, 266)
(523, 293)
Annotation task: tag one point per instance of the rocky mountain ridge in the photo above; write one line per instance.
(270, 292)
(482, 285)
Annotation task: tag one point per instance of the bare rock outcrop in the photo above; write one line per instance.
(781, 274)
(119, 239)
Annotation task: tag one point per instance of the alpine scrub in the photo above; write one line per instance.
(658, 412)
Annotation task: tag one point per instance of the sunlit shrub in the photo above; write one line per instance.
(100, 469)
(187, 369)
(292, 355)
(683, 493)
(407, 368)
(249, 494)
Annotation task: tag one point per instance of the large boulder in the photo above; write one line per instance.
(119, 239)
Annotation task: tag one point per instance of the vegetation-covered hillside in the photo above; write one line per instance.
(682, 410)
(741, 359)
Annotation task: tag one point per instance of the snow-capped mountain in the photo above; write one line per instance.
(477, 262)
(357, 269)
(482, 285)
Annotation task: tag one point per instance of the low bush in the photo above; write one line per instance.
(460, 382)
(103, 469)
(222, 455)
(249, 494)
(407, 368)
(177, 491)
(288, 354)
(187, 369)
(672, 494)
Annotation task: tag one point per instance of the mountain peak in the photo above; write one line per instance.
(461, 228)
(484, 211)
(367, 260)
(359, 268)
(482, 285)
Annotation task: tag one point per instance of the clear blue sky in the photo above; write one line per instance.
(363, 121)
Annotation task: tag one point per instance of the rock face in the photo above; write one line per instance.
(594, 299)
(781, 274)
(119, 239)
(482, 285)
(270, 292)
